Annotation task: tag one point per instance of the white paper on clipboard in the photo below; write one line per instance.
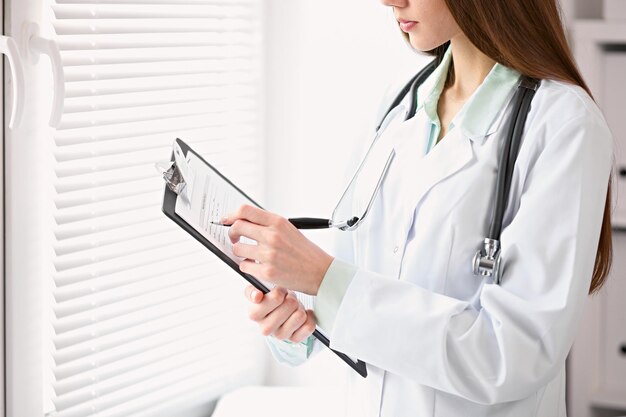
(212, 197)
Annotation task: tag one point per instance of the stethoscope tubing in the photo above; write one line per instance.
(487, 261)
(521, 106)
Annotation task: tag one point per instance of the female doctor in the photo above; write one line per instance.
(402, 297)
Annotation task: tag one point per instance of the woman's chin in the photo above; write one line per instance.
(420, 44)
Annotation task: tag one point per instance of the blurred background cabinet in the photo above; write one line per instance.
(597, 363)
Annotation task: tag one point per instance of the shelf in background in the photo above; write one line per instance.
(596, 369)
(601, 31)
(609, 399)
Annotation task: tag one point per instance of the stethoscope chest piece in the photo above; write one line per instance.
(487, 261)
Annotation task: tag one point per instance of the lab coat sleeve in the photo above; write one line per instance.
(334, 285)
(517, 340)
(332, 289)
(288, 353)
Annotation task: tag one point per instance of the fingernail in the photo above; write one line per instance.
(224, 220)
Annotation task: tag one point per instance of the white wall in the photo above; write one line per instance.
(2, 276)
(329, 63)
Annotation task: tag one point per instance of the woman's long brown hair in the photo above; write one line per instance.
(528, 36)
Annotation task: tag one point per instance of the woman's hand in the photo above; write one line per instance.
(279, 313)
(286, 257)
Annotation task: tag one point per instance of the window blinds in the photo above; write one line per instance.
(144, 319)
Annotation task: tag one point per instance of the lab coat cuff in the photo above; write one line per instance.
(289, 353)
(330, 294)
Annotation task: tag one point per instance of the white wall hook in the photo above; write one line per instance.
(9, 48)
(37, 45)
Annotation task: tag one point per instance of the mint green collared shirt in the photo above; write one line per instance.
(476, 118)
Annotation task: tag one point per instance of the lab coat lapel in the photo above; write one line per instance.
(420, 172)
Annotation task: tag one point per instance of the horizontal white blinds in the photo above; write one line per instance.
(144, 318)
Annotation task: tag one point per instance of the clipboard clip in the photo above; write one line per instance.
(177, 175)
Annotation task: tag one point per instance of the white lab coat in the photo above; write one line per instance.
(440, 341)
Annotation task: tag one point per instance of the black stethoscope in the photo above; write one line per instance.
(487, 261)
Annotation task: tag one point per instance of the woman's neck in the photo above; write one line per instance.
(471, 67)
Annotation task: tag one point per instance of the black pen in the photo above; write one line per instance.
(312, 223)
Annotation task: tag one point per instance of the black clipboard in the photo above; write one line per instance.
(169, 208)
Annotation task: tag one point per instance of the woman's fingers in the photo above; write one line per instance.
(252, 214)
(244, 250)
(282, 254)
(242, 227)
(279, 315)
(269, 303)
(306, 329)
(293, 323)
(256, 270)
(253, 294)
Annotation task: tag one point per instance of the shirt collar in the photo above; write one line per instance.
(477, 118)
